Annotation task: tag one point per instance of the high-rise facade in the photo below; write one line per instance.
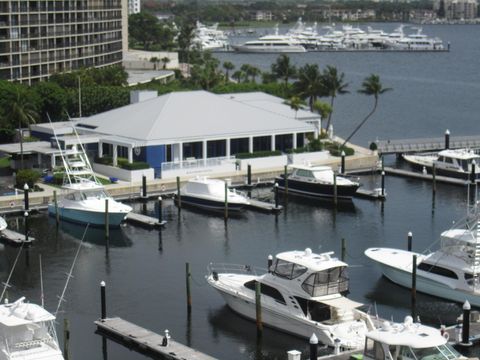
(134, 7)
(41, 37)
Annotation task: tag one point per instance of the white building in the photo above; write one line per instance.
(458, 9)
(134, 7)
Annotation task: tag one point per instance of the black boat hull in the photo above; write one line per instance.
(206, 204)
(317, 190)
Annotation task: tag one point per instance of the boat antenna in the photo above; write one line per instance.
(6, 284)
(41, 281)
(69, 275)
(67, 168)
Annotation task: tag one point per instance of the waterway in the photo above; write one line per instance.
(145, 270)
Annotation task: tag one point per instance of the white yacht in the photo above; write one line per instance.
(202, 192)
(317, 181)
(307, 36)
(419, 42)
(274, 43)
(332, 39)
(27, 332)
(302, 293)
(84, 201)
(408, 340)
(451, 272)
(450, 162)
(3, 224)
(209, 37)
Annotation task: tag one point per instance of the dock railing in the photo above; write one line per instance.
(224, 268)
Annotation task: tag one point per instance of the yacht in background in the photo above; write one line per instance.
(273, 43)
(209, 37)
(302, 293)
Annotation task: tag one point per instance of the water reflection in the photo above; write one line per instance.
(96, 235)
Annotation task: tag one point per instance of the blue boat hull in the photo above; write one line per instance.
(87, 217)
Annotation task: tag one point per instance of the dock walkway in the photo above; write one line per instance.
(147, 341)
(401, 146)
(144, 220)
(422, 176)
(263, 206)
(14, 237)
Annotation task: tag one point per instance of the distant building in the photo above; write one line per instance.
(348, 14)
(458, 9)
(134, 7)
(262, 15)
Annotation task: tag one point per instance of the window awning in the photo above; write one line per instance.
(341, 303)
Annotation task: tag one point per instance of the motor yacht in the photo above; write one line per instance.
(3, 224)
(317, 181)
(450, 162)
(209, 37)
(451, 272)
(273, 43)
(419, 42)
(302, 293)
(27, 332)
(85, 198)
(209, 194)
(408, 340)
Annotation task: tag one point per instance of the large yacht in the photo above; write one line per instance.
(302, 293)
(317, 181)
(451, 272)
(209, 37)
(450, 162)
(27, 332)
(418, 42)
(273, 43)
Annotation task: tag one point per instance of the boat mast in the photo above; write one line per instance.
(7, 283)
(85, 157)
(41, 280)
(67, 168)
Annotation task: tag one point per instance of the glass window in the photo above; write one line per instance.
(330, 281)
(267, 291)
(283, 268)
(437, 270)
(405, 353)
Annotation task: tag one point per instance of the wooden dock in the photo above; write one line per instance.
(263, 206)
(15, 238)
(372, 194)
(422, 176)
(147, 341)
(401, 146)
(144, 220)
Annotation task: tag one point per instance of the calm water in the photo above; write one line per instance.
(144, 270)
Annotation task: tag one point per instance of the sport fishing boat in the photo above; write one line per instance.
(85, 200)
(451, 272)
(316, 182)
(450, 162)
(302, 293)
(209, 194)
(27, 332)
(408, 340)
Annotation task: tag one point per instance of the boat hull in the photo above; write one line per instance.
(317, 190)
(208, 204)
(93, 218)
(269, 49)
(419, 165)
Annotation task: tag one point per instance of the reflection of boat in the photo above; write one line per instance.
(407, 340)
(301, 294)
(451, 272)
(450, 162)
(96, 236)
(85, 201)
(27, 332)
(317, 181)
(209, 194)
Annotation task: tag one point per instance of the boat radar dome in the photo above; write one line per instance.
(386, 326)
(408, 320)
(308, 252)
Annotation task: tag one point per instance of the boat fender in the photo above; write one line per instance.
(162, 187)
(215, 275)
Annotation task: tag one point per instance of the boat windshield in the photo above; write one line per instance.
(326, 282)
(288, 269)
(93, 194)
(442, 352)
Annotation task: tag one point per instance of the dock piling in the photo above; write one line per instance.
(258, 308)
(447, 139)
(269, 263)
(187, 279)
(107, 226)
(144, 187)
(466, 325)
(343, 162)
(434, 180)
(344, 249)
(25, 214)
(55, 201)
(409, 241)
(225, 215)
(285, 177)
(179, 199)
(160, 210)
(414, 287)
(25, 197)
(66, 339)
(383, 183)
(276, 195)
(313, 347)
(472, 174)
(249, 175)
(335, 190)
(103, 301)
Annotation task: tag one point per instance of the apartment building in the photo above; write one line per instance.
(41, 37)
(134, 7)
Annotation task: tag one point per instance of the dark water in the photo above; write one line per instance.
(145, 270)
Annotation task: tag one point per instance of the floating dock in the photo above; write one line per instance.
(147, 341)
(15, 238)
(144, 220)
(372, 194)
(422, 176)
(263, 206)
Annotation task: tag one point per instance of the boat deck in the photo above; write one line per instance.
(15, 238)
(147, 341)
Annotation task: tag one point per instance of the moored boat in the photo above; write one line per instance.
(317, 182)
(273, 43)
(302, 294)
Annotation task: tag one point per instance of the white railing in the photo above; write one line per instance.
(198, 163)
(225, 268)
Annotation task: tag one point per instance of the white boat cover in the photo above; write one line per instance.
(341, 303)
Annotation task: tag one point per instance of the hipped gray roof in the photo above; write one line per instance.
(191, 116)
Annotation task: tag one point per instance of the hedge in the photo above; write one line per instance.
(26, 176)
(105, 160)
(136, 165)
(258, 154)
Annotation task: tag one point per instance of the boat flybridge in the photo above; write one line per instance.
(408, 340)
(27, 332)
(449, 162)
(302, 293)
(451, 272)
(85, 198)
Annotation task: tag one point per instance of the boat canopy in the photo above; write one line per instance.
(21, 313)
(460, 154)
(312, 261)
(327, 282)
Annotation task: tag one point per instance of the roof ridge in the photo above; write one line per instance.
(167, 96)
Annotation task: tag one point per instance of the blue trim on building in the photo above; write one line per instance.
(155, 156)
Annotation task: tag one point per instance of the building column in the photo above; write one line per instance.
(130, 154)
(273, 143)
(204, 152)
(115, 154)
(180, 154)
(294, 142)
(53, 161)
(250, 144)
(100, 149)
(227, 148)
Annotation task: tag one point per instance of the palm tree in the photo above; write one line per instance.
(295, 104)
(283, 69)
(238, 76)
(323, 109)
(253, 72)
(228, 66)
(309, 83)
(165, 60)
(22, 112)
(371, 86)
(334, 85)
(154, 60)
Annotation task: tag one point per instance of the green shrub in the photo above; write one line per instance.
(58, 178)
(373, 146)
(258, 154)
(335, 151)
(136, 165)
(27, 176)
(105, 160)
(121, 161)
